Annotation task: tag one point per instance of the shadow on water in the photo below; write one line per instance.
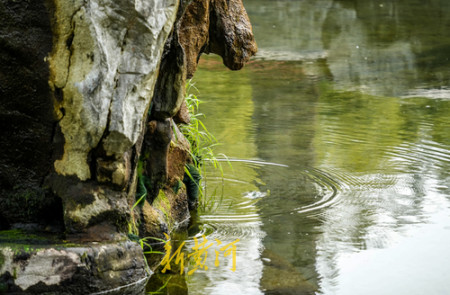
(339, 131)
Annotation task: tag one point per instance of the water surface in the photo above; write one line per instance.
(339, 135)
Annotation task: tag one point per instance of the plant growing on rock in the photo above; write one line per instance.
(202, 148)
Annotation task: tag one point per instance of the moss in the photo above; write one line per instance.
(2, 259)
(178, 185)
(17, 235)
(25, 204)
(20, 240)
(162, 203)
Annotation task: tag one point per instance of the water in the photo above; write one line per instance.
(339, 135)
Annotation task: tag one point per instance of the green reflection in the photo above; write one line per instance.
(353, 96)
(227, 101)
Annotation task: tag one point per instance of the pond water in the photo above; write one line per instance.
(338, 134)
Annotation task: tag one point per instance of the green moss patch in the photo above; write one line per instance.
(2, 259)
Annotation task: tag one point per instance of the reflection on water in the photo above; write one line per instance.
(382, 47)
(340, 135)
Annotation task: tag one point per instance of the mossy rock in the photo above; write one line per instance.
(2, 260)
(162, 203)
(192, 179)
(23, 239)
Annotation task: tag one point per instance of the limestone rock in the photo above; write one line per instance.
(88, 205)
(194, 32)
(76, 85)
(114, 171)
(169, 211)
(110, 268)
(231, 34)
(179, 207)
(183, 116)
(216, 26)
(105, 63)
(170, 90)
(178, 156)
(77, 82)
(153, 223)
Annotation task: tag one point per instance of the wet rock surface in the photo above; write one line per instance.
(118, 268)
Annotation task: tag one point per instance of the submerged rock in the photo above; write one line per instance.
(281, 278)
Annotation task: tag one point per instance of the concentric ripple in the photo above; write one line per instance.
(245, 203)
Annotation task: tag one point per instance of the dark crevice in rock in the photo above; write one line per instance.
(98, 154)
(59, 96)
(156, 144)
(57, 143)
(70, 40)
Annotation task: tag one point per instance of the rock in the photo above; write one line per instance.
(183, 116)
(178, 156)
(156, 145)
(209, 26)
(179, 210)
(231, 34)
(77, 82)
(118, 268)
(192, 183)
(193, 32)
(153, 222)
(170, 86)
(217, 26)
(26, 109)
(105, 64)
(168, 212)
(281, 277)
(114, 171)
(166, 205)
(87, 205)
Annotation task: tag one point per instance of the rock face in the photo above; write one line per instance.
(105, 62)
(91, 92)
(217, 26)
(201, 26)
(87, 269)
(26, 112)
